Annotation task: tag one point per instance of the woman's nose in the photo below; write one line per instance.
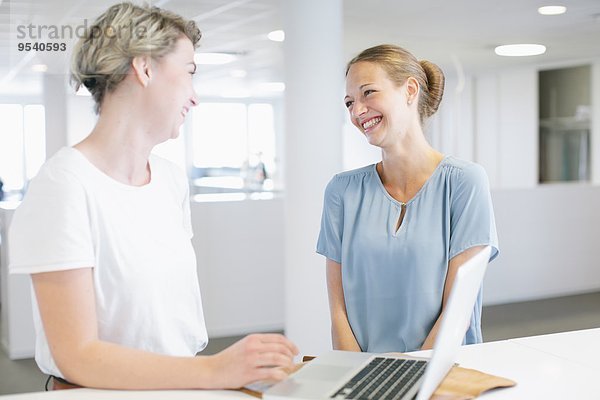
(358, 109)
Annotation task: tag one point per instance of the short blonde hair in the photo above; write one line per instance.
(102, 58)
(400, 64)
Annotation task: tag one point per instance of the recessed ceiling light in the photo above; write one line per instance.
(39, 68)
(272, 86)
(520, 50)
(238, 73)
(213, 58)
(277, 36)
(552, 10)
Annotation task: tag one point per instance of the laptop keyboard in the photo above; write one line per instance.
(383, 379)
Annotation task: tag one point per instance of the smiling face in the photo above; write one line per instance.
(378, 107)
(171, 93)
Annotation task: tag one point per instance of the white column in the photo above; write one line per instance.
(314, 113)
(55, 101)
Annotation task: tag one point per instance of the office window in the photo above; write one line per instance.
(22, 145)
(261, 134)
(233, 147)
(220, 136)
(565, 124)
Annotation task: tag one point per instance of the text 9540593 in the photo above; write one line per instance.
(41, 46)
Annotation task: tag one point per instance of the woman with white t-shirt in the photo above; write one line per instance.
(105, 230)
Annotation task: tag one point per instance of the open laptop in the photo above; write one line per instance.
(352, 375)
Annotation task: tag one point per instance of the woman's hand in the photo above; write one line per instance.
(257, 357)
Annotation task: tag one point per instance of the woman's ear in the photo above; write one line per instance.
(142, 69)
(412, 89)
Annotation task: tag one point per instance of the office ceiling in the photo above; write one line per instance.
(458, 35)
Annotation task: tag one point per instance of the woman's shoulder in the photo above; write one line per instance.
(63, 158)
(67, 164)
(460, 164)
(366, 170)
(167, 171)
(62, 177)
(351, 178)
(463, 170)
(164, 165)
(463, 175)
(354, 174)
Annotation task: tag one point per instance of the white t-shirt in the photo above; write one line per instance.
(137, 239)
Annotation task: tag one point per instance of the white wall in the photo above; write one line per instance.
(487, 126)
(17, 337)
(451, 129)
(356, 150)
(548, 240)
(239, 249)
(81, 118)
(505, 111)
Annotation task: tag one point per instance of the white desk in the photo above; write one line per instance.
(557, 366)
(582, 347)
(539, 374)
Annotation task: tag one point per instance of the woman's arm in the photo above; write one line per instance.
(453, 267)
(341, 332)
(67, 306)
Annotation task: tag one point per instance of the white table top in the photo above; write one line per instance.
(557, 366)
(539, 375)
(582, 347)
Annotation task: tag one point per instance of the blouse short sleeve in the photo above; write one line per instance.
(472, 220)
(329, 243)
(50, 230)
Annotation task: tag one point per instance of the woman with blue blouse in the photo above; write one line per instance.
(394, 233)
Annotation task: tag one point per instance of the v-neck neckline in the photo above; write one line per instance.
(421, 189)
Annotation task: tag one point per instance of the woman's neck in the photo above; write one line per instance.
(406, 166)
(119, 148)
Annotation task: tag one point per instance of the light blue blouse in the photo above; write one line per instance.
(393, 281)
